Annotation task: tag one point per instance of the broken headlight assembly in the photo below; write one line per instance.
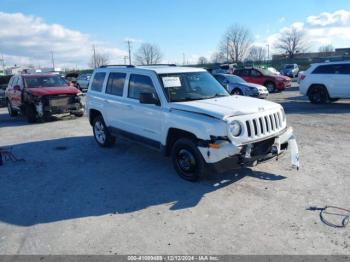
(235, 128)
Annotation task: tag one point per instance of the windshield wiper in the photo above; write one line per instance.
(217, 95)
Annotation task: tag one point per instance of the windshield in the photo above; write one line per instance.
(44, 81)
(235, 79)
(191, 86)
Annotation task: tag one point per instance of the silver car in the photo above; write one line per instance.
(83, 82)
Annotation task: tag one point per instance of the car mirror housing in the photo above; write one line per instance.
(17, 88)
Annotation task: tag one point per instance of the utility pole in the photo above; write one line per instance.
(53, 61)
(183, 59)
(94, 57)
(3, 64)
(129, 48)
(227, 42)
(268, 52)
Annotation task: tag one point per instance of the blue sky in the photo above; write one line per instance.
(191, 27)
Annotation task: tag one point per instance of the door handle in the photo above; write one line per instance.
(129, 107)
(106, 101)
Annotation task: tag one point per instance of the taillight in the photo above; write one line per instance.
(302, 77)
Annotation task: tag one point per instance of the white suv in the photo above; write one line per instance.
(185, 113)
(326, 82)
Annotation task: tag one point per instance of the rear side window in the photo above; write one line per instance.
(115, 84)
(97, 82)
(345, 69)
(140, 84)
(324, 69)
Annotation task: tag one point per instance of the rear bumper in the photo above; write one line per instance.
(229, 157)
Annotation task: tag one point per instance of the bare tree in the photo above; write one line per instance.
(236, 43)
(218, 57)
(98, 59)
(257, 54)
(291, 42)
(326, 50)
(202, 60)
(148, 54)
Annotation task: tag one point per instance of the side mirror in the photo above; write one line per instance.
(17, 88)
(148, 98)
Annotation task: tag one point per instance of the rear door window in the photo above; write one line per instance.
(344, 69)
(115, 84)
(324, 69)
(97, 82)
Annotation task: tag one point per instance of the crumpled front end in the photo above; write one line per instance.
(223, 155)
(59, 104)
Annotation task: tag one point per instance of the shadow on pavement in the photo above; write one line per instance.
(74, 178)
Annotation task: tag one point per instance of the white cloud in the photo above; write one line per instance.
(325, 28)
(29, 40)
(338, 18)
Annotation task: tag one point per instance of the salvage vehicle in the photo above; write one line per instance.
(326, 82)
(263, 77)
(185, 113)
(39, 96)
(238, 86)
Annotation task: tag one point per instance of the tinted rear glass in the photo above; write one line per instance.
(97, 82)
(115, 84)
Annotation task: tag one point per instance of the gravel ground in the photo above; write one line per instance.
(71, 197)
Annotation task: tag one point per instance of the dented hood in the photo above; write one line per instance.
(223, 107)
(46, 91)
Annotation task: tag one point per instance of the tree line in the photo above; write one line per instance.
(236, 45)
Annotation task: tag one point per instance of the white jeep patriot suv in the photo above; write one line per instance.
(185, 113)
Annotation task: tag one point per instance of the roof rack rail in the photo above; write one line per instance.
(128, 66)
(160, 65)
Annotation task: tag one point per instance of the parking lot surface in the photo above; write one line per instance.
(70, 196)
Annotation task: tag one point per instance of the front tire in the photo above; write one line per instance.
(30, 113)
(318, 95)
(237, 92)
(12, 112)
(187, 160)
(101, 133)
(81, 114)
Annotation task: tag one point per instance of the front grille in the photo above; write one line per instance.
(264, 125)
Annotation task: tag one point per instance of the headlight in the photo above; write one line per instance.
(235, 128)
(283, 114)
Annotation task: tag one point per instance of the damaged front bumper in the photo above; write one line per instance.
(47, 108)
(227, 156)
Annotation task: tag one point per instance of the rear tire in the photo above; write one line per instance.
(11, 111)
(318, 95)
(101, 133)
(271, 87)
(187, 160)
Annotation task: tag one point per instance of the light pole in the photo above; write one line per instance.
(268, 52)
